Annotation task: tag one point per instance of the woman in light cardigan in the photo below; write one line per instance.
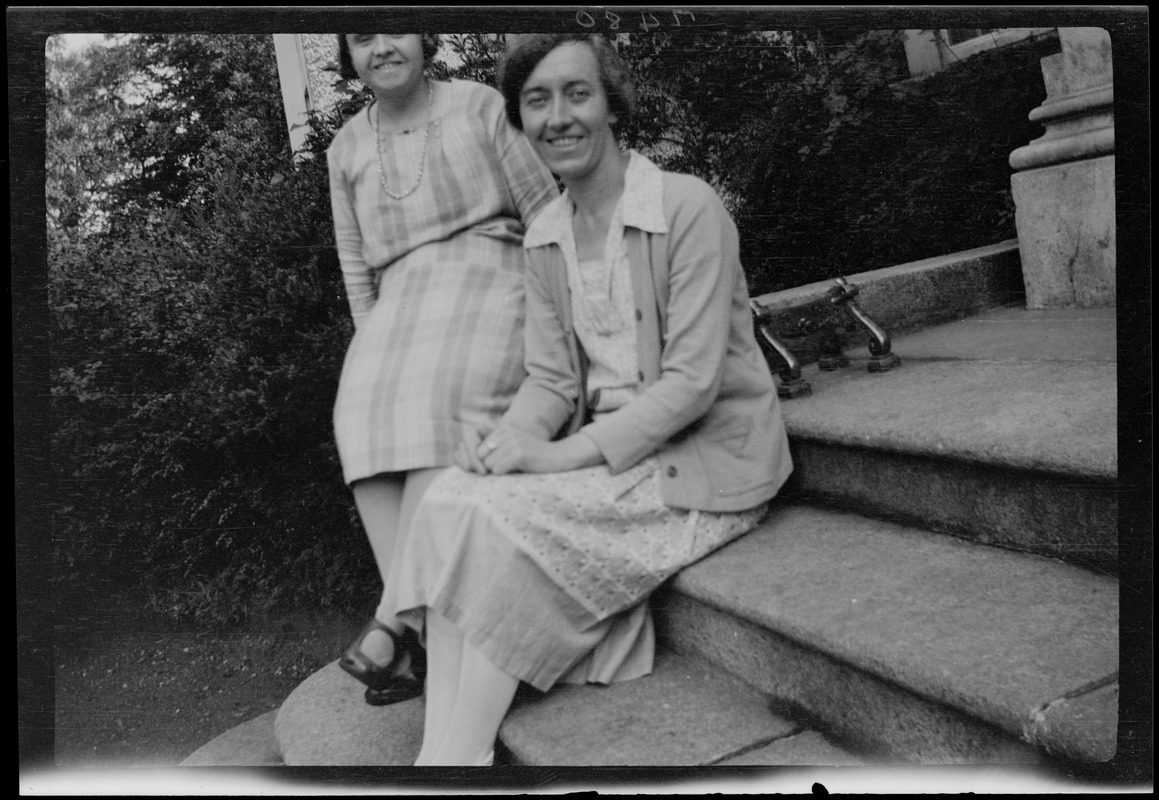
(647, 433)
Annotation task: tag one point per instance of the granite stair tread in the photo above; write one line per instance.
(250, 744)
(326, 721)
(995, 428)
(1006, 637)
(686, 713)
(988, 389)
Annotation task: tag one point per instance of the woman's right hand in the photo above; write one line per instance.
(467, 454)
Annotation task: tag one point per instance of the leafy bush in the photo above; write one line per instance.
(206, 421)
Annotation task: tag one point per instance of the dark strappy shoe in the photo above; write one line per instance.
(383, 686)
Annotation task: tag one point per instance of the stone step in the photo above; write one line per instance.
(686, 713)
(251, 744)
(326, 722)
(902, 644)
(902, 298)
(997, 428)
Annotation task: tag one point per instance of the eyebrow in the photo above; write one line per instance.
(566, 86)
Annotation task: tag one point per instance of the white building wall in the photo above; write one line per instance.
(929, 51)
(307, 70)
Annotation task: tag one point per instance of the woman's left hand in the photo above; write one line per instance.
(509, 449)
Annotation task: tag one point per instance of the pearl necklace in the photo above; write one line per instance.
(373, 114)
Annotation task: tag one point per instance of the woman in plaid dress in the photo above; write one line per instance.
(430, 188)
(647, 433)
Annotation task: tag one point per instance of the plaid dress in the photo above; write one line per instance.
(434, 281)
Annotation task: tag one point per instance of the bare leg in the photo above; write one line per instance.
(482, 696)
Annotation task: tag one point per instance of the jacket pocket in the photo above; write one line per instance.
(731, 454)
(732, 435)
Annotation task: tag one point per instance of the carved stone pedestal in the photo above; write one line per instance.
(1064, 184)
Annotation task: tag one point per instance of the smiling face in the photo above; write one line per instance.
(390, 64)
(565, 114)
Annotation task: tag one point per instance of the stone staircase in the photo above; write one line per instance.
(935, 586)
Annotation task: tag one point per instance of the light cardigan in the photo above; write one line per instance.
(708, 407)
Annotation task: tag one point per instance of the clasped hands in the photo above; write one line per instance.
(509, 449)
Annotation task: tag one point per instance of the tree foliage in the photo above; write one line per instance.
(701, 94)
(85, 152)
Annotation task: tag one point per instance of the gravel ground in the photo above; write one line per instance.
(145, 695)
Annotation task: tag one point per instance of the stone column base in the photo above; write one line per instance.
(1066, 233)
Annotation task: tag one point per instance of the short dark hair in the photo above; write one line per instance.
(525, 51)
(346, 70)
